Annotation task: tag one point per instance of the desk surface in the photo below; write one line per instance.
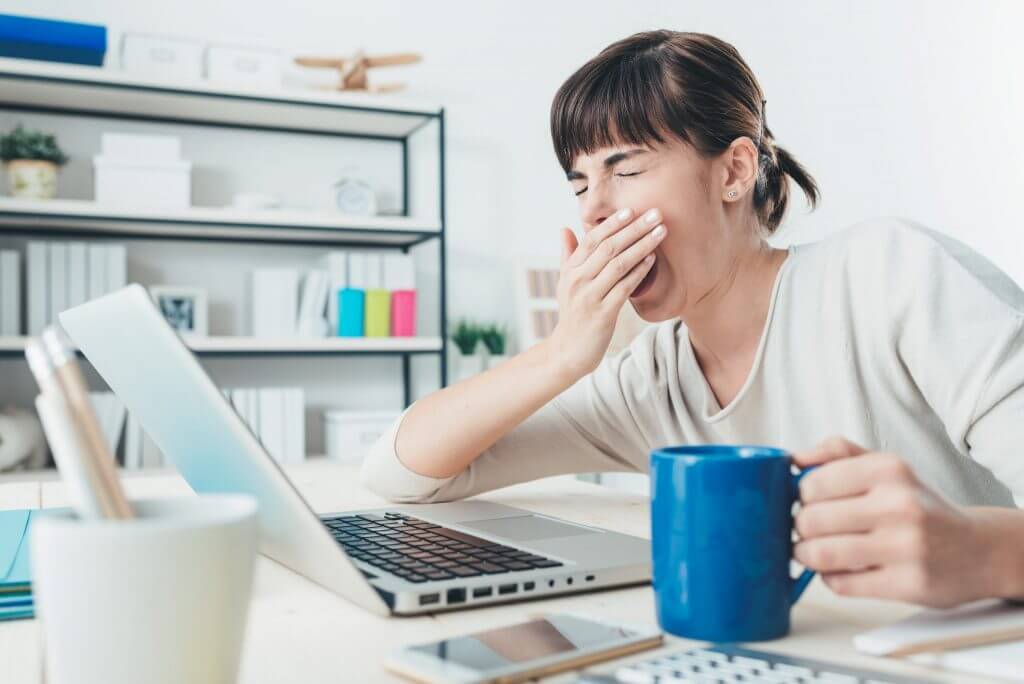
(298, 632)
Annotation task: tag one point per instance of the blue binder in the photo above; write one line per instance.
(52, 40)
(15, 574)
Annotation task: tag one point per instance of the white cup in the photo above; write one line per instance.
(160, 599)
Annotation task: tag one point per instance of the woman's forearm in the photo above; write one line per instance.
(1004, 531)
(444, 432)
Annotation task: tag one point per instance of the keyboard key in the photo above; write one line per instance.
(514, 565)
(414, 577)
(464, 571)
(546, 564)
(438, 575)
(464, 538)
(489, 568)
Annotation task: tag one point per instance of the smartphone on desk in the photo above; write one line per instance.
(542, 646)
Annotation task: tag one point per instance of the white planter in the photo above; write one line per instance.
(32, 178)
(496, 359)
(468, 365)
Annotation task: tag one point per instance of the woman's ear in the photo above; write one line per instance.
(739, 163)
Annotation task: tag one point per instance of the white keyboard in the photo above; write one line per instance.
(721, 664)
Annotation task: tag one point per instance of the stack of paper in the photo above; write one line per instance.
(277, 418)
(15, 580)
(61, 275)
(10, 293)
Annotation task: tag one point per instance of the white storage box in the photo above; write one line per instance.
(152, 185)
(244, 66)
(350, 434)
(135, 147)
(162, 56)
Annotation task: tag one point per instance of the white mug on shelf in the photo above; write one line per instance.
(159, 599)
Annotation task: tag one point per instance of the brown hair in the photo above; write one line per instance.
(691, 86)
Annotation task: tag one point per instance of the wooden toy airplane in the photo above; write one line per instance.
(352, 70)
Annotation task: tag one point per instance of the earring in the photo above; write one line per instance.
(732, 194)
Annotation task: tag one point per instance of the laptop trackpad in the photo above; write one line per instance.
(527, 528)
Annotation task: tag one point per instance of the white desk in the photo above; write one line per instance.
(298, 632)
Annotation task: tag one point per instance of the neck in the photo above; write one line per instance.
(726, 323)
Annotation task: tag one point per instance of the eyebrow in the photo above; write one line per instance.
(609, 162)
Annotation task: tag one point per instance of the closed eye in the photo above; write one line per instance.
(620, 175)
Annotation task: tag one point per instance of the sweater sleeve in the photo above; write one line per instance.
(961, 339)
(588, 428)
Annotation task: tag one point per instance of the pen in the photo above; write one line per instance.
(76, 392)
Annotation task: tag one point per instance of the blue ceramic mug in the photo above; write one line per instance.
(721, 531)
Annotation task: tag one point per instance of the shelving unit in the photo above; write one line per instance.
(48, 88)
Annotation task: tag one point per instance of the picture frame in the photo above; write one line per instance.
(186, 309)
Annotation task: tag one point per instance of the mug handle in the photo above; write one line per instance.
(800, 583)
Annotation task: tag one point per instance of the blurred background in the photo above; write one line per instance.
(910, 109)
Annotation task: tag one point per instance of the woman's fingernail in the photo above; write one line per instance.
(649, 258)
(659, 231)
(625, 214)
(651, 216)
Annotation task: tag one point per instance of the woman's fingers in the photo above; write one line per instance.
(569, 245)
(842, 516)
(842, 552)
(620, 293)
(623, 264)
(594, 238)
(618, 242)
(853, 476)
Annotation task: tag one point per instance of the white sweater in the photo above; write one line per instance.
(891, 335)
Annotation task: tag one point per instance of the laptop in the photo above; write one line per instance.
(401, 560)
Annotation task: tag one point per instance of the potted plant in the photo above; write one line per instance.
(466, 337)
(495, 339)
(32, 159)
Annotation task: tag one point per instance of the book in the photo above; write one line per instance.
(37, 271)
(58, 279)
(10, 293)
(311, 322)
(274, 302)
(336, 265)
(272, 432)
(295, 424)
(117, 267)
(78, 274)
(97, 271)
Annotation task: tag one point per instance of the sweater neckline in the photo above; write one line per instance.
(711, 411)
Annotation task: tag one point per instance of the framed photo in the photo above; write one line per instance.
(185, 308)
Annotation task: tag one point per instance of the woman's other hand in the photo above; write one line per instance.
(596, 278)
(872, 529)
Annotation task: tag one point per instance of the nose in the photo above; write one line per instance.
(596, 206)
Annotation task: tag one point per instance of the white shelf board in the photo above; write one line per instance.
(97, 90)
(224, 223)
(256, 345)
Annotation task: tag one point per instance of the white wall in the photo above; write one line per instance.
(909, 108)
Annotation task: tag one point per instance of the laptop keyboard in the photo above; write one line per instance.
(421, 551)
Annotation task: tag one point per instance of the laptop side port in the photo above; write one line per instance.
(528, 586)
(507, 589)
(429, 599)
(456, 596)
(481, 592)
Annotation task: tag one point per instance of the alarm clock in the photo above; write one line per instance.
(355, 197)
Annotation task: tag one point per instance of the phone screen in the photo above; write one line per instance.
(497, 648)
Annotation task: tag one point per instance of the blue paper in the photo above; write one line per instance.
(52, 40)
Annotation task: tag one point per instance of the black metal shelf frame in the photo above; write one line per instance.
(312, 236)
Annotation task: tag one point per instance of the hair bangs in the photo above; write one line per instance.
(611, 102)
